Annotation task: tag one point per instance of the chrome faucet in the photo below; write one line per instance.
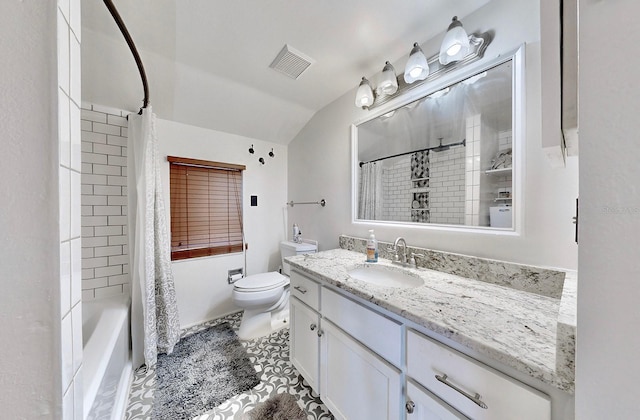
(396, 257)
(403, 260)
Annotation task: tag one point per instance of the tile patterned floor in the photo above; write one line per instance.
(269, 354)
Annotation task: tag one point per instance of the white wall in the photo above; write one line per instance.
(319, 164)
(607, 368)
(201, 284)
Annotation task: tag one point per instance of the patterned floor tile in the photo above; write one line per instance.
(269, 354)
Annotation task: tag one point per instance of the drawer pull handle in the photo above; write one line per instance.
(300, 289)
(410, 406)
(312, 327)
(474, 398)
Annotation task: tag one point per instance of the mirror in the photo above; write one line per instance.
(446, 158)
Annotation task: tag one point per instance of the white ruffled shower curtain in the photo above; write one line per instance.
(371, 193)
(155, 327)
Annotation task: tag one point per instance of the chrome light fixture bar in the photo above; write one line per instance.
(366, 99)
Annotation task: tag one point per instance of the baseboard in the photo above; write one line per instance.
(184, 327)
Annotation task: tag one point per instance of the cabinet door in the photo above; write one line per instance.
(355, 383)
(304, 343)
(423, 405)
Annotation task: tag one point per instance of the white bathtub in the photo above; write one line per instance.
(106, 363)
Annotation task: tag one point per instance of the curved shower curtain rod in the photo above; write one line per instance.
(132, 47)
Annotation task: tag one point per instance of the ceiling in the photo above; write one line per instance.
(207, 61)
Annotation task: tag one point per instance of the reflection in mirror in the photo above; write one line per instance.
(445, 158)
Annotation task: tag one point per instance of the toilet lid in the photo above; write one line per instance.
(262, 281)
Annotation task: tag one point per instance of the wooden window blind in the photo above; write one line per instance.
(206, 208)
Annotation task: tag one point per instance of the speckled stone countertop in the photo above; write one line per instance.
(532, 333)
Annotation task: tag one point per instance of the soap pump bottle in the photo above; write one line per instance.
(372, 248)
(296, 233)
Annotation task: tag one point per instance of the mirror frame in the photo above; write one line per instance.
(518, 111)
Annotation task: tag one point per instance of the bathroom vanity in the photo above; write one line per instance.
(444, 346)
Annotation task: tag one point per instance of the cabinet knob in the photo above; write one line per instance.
(312, 327)
(410, 406)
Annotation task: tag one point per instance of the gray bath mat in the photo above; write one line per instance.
(278, 407)
(204, 370)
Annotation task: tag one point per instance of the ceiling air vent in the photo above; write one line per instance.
(291, 62)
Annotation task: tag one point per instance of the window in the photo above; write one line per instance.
(206, 208)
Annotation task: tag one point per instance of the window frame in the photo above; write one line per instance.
(180, 220)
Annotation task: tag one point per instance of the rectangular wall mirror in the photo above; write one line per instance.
(448, 157)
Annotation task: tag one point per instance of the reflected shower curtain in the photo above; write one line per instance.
(370, 194)
(154, 312)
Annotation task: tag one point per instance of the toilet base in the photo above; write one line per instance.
(256, 324)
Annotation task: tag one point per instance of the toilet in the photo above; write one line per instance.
(265, 296)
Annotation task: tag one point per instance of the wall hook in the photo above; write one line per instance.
(251, 149)
(261, 160)
(271, 153)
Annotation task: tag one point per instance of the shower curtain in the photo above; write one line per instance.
(155, 327)
(370, 196)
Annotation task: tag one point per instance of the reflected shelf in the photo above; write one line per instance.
(501, 171)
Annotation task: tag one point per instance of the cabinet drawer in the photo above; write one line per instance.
(504, 397)
(379, 333)
(305, 289)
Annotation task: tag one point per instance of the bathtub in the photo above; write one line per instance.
(106, 363)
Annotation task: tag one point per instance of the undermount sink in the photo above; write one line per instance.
(382, 275)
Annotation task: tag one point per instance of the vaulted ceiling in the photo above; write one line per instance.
(208, 60)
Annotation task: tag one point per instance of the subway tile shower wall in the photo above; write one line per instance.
(105, 254)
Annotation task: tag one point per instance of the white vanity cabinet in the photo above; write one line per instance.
(351, 379)
(369, 364)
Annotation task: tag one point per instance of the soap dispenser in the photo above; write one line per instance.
(296, 233)
(372, 248)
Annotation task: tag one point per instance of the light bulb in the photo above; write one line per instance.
(415, 72)
(454, 49)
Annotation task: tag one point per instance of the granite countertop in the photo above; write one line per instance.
(531, 333)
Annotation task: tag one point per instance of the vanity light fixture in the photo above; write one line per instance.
(455, 45)
(389, 83)
(417, 67)
(458, 49)
(364, 96)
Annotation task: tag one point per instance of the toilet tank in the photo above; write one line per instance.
(289, 249)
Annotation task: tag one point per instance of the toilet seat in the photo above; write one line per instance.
(260, 282)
